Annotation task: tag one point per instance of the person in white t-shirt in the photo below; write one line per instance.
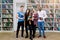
(41, 17)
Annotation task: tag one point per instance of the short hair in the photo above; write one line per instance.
(21, 6)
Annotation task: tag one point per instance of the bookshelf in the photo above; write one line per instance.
(52, 7)
(6, 11)
(0, 16)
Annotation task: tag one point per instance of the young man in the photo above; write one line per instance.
(26, 21)
(30, 23)
(20, 17)
(41, 16)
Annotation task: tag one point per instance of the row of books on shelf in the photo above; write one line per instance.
(43, 1)
(53, 28)
(57, 15)
(49, 6)
(53, 10)
(7, 6)
(7, 20)
(52, 24)
(7, 1)
(50, 1)
(7, 29)
(52, 20)
(7, 11)
(48, 28)
(7, 16)
(8, 24)
(57, 11)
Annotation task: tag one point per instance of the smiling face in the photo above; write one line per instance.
(21, 8)
(40, 8)
(28, 11)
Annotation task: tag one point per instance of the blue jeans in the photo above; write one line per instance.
(41, 28)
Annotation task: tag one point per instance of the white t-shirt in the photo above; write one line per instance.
(42, 14)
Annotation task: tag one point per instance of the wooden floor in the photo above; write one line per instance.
(11, 36)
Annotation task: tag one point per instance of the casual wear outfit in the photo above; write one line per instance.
(31, 27)
(26, 24)
(20, 23)
(41, 17)
(35, 19)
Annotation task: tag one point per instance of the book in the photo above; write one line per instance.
(7, 1)
(4, 6)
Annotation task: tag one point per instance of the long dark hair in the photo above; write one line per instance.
(28, 12)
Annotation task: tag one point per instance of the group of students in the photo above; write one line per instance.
(30, 19)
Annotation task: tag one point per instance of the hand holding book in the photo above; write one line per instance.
(30, 22)
(41, 18)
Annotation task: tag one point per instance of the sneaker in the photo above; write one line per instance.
(16, 36)
(31, 39)
(39, 36)
(33, 36)
(44, 36)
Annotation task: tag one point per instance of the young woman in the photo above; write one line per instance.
(26, 22)
(35, 19)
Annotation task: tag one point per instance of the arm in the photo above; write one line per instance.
(18, 17)
(45, 15)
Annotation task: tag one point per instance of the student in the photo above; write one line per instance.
(26, 22)
(20, 17)
(41, 17)
(35, 19)
(30, 23)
